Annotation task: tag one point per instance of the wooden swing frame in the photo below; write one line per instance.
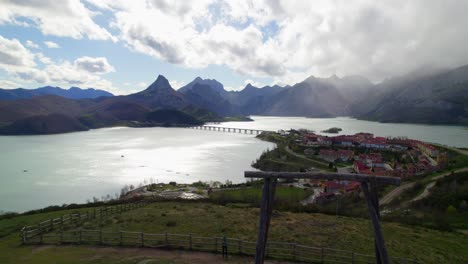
(368, 183)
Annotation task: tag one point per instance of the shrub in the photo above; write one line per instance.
(171, 223)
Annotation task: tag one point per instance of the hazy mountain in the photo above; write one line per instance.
(72, 93)
(425, 96)
(313, 97)
(253, 100)
(438, 97)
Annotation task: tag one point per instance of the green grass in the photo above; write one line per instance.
(425, 245)
(286, 197)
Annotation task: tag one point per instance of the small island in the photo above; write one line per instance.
(332, 130)
(237, 119)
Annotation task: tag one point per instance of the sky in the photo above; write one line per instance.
(122, 46)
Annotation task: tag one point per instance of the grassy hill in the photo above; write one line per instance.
(237, 221)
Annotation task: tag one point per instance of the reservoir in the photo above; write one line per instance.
(38, 171)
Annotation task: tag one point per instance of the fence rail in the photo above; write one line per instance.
(75, 219)
(55, 231)
(278, 250)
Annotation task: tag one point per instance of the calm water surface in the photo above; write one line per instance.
(75, 167)
(37, 171)
(456, 136)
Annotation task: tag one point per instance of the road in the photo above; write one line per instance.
(397, 191)
(288, 150)
(433, 182)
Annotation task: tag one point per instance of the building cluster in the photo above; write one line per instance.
(332, 189)
(417, 157)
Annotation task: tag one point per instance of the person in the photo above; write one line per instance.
(225, 251)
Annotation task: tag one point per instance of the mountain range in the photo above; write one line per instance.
(72, 93)
(428, 96)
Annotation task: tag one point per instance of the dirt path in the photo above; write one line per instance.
(427, 189)
(288, 150)
(96, 254)
(397, 191)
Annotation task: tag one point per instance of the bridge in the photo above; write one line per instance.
(231, 129)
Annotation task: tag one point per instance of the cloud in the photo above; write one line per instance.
(288, 40)
(51, 45)
(176, 84)
(14, 56)
(7, 84)
(70, 18)
(98, 65)
(31, 44)
(283, 40)
(20, 62)
(254, 83)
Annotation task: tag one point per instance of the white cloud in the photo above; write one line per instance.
(98, 65)
(69, 18)
(254, 83)
(31, 44)
(142, 85)
(51, 45)
(176, 84)
(288, 40)
(7, 84)
(43, 59)
(20, 63)
(14, 56)
(284, 40)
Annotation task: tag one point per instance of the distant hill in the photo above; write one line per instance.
(437, 97)
(171, 117)
(72, 93)
(146, 108)
(43, 124)
(425, 96)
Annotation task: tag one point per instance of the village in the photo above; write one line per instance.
(365, 153)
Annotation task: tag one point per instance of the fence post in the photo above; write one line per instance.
(61, 236)
(81, 234)
(142, 239)
(121, 238)
(240, 247)
(52, 224)
(167, 239)
(321, 255)
(100, 236)
(294, 251)
(23, 235)
(61, 222)
(216, 244)
(190, 241)
(352, 257)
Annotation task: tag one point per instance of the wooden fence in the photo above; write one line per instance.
(278, 250)
(54, 231)
(74, 219)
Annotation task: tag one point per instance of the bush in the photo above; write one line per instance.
(451, 209)
(171, 223)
